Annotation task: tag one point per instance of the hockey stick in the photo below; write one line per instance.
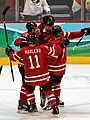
(1, 68)
(6, 36)
(79, 40)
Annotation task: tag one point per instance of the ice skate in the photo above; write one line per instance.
(43, 99)
(59, 102)
(55, 110)
(47, 107)
(23, 108)
(33, 108)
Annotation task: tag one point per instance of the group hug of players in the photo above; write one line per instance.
(42, 62)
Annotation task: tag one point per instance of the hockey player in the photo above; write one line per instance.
(57, 71)
(46, 28)
(22, 42)
(1, 68)
(31, 30)
(34, 59)
(46, 31)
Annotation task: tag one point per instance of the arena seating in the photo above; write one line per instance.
(61, 12)
(60, 16)
(57, 9)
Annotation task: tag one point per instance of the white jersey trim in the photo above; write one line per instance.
(30, 81)
(37, 76)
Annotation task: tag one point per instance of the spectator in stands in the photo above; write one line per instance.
(33, 9)
(76, 8)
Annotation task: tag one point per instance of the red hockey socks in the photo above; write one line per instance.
(50, 96)
(23, 98)
(30, 97)
(56, 89)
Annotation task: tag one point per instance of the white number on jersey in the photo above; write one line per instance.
(36, 60)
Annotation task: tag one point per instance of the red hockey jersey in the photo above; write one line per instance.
(24, 37)
(47, 37)
(35, 62)
(60, 66)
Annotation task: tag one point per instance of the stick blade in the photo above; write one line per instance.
(6, 9)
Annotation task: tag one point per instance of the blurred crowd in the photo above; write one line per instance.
(35, 9)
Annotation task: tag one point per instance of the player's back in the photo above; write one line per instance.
(36, 67)
(34, 59)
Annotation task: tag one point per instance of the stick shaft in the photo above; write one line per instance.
(6, 36)
(79, 40)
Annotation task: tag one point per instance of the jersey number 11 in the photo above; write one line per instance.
(36, 60)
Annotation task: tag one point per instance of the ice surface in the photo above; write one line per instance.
(75, 93)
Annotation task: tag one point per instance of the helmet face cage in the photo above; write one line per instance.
(49, 23)
(56, 30)
(33, 40)
(31, 26)
(48, 20)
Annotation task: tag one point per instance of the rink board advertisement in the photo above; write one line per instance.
(80, 55)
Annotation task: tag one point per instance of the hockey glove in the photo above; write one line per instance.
(8, 50)
(85, 30)
(64, 43)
